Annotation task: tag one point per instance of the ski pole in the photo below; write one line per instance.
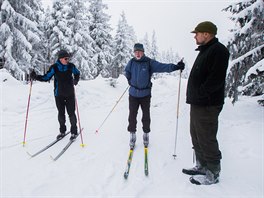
(97, 130)
(79, 122)
(25, 129)
(177, 119)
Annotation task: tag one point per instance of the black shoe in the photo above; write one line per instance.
(73, 136)
(60, 136)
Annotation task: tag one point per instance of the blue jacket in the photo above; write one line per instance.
(139, 72)
(63, 78)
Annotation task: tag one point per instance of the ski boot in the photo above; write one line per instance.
(60, 136)
(146, 139)
(133, 139)
(73, 136)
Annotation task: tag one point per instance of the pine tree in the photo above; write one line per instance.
(146, 43)
(61, 33)
(123, 48)
(81, 41)
(247, 49)
(20, 35)
(154, 54)
(46, 27)
(102, 40)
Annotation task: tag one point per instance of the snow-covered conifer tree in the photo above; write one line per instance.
(61, 33)
(81, 41)
(247, 49)
(100, 32)
(154, 48)
(123, 48)
(46, 27)
(20, 35)
(147, 47)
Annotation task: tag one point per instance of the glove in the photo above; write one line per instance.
(33, 75)
(75, 81)
(180, 65)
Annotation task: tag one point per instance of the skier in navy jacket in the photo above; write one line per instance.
(138, 73)
(63, 72)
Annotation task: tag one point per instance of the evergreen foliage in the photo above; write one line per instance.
(31, 38)
(20, 35)
(247, 49)
(123, 46)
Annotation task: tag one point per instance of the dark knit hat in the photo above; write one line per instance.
(205, 26)
(138, 47)
(63, 54)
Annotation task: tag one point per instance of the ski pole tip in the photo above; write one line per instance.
(83, 145)
(174, 156)
(24, 144)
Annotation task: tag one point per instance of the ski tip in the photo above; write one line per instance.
(29, 154)
(52, 158)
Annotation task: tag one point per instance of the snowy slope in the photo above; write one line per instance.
(97, 169)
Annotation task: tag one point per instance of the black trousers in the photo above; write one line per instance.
(68, 102)
(203, 129)
(134, 104)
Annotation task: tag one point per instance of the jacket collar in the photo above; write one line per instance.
(204, 47)
(58, 62)
(144, 58)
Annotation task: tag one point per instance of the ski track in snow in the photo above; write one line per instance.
(97, 169)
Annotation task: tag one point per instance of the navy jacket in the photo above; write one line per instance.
(206, 84)
(139, 72)
(63, 78)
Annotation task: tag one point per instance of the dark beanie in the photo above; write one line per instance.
(63, 54)
(138, 47)
(205, 26)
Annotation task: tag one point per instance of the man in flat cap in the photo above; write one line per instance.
(205, 94)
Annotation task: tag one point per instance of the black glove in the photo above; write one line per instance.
(33, 75)
(75, 81)
(180, 65)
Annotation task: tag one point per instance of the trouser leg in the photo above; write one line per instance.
(204, 126)
(60, 103)
(145, 107)
(133, 111)
(70, 106)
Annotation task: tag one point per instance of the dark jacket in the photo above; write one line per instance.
(206, 82)
(63, 78)
(139, 72)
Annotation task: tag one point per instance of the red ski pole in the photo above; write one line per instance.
(79, 122)
(25, 130)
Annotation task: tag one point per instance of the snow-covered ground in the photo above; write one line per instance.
(97, 169)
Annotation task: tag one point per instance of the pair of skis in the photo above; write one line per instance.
(52, 144)
(129, 161)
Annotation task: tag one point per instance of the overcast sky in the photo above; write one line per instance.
(172, 20)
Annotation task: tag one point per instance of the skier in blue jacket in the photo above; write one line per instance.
(138, 72)
(63, 72)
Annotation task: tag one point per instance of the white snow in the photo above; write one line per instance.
(97, 169)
